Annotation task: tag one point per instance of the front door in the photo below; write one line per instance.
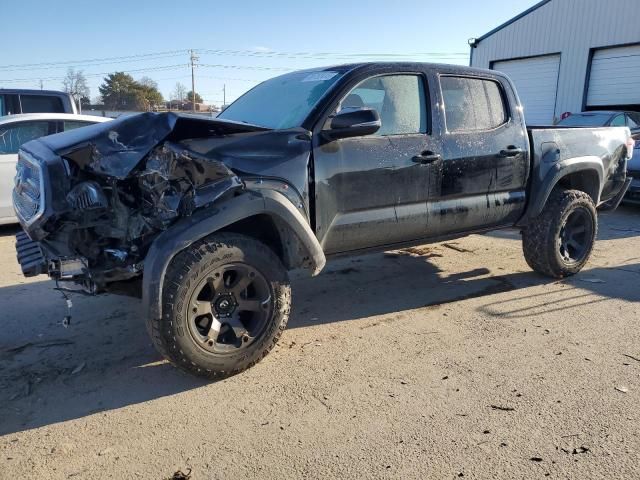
(12, 136)
(485, 167)
(372, 191)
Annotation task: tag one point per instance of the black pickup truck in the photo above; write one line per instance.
(203, 218)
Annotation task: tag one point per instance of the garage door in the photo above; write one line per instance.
(536, 80)
(615, 77)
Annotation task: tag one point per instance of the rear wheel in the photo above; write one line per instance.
(559, 242)
(226, 302)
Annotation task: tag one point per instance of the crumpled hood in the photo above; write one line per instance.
(116, 148)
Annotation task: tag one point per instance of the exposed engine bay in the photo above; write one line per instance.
(125, 182)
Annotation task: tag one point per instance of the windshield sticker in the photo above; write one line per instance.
(319, 76)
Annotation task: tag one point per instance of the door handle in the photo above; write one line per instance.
(426, 158)
(511, 151)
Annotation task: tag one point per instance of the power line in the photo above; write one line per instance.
(140, 70)
(248, 53)
(260, 53)
(247, 67)
(87, 65)
(104, 59)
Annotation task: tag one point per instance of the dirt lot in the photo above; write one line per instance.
(444, 361)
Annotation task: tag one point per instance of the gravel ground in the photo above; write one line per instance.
(444, 361)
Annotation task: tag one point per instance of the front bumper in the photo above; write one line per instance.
(30, 257)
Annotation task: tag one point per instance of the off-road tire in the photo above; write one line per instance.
(170, 333)
(541, 238)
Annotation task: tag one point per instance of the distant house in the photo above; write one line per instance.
(568, 56)
(187, 106)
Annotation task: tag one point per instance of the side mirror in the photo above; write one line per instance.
(353, 122)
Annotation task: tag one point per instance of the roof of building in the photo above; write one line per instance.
(514, 19)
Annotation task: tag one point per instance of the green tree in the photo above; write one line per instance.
(189, 97)
(150, 97)
(120, 91)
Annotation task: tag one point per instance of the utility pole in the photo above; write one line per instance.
(224, 94)
(41, 85)
(194, 59)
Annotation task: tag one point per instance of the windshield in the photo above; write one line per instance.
(586, 120)
(282, 102)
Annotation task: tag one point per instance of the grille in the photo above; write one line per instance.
(27, 190)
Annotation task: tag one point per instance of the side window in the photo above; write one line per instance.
(73, 124)
(618, 121)
(11, 104)
(399, 99)
(41, 103)
(472, 104)
(633, 121)
(13, 136)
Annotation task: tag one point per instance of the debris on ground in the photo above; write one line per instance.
(576, 451)
(501, 408)
(536, 459)
(457, 248)
(631, 357)
(622, 389)
(180, 475)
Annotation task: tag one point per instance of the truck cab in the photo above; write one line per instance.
(16, 101)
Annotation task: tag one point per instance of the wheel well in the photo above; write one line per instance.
(585, 180)
(263, 228)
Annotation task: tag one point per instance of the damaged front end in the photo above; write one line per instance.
(91, 201)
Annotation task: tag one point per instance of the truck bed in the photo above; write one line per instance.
(603, 148)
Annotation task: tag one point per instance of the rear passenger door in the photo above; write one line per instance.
(485, 157)
(12, 136)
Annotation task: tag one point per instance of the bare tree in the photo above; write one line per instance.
(179, 92)
(148, 82)
(75, 83)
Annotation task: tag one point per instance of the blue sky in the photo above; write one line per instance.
(244, 39)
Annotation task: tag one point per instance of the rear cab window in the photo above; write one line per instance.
(472, 104)
(41, 104)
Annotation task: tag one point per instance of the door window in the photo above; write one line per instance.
(399, 99)
(13, 136)
(618, 121)
(73, 124)
(472, 104)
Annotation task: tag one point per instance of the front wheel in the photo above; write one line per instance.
(558, 243)
(226, 301)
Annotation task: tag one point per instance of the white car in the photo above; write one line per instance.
(18, 129)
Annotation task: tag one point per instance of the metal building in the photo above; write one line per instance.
(568, 56)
